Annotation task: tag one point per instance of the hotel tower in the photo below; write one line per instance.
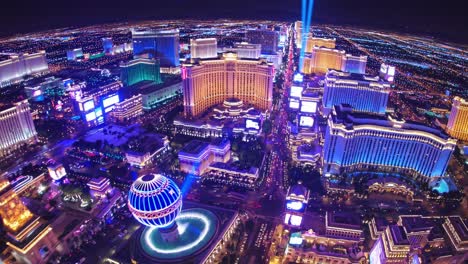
(363, 142)
(207, 83)
(457, 125)
(16, 127)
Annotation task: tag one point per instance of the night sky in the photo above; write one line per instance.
(443, 19)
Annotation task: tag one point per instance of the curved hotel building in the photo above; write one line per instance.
(457, 125)
(207, 83)
(321, 59)
(16, 127)
(203, 48)
(364, 93)
(312, 42)
(360, 142)
(14, 69)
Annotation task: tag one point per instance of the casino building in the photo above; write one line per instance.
(364, 93)
(457, 125)
(139, 70)
(203, 48)
(210, 82)
(154, 44)
(312, 42)
(246, 50)
(321, 59)
(197, 156)
(14, 69)
(16, 127)
(355, 142)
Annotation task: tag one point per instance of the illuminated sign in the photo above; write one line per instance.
(298, 77)
(294, 205)
(306, 121)
(108, 109)
(252, 124)
(294, 104)
(296, 91)
(98, 111)
(286, 218)
(295, 220)
(383, 68)
(391, 70)
(308, 107)
(90, 116)
(57, 173)
(88, 105)
(37, 93)
(111, 100)
(295, 239)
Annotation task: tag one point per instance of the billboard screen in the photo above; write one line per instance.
(308, 107)
(252, 124)
(88, 105)
(295, 206)
(111, 100)
(295, 220)
(391, 70)
(298, 77)
(98, 111)
(90, 116)
(306, 121)
(296, 91)
(294, 104)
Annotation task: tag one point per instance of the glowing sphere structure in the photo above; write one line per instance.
(155, 201)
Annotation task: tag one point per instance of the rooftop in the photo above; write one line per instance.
(343, 114)
(349, 220)
(398, 235)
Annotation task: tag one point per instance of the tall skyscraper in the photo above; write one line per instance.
(321, 59)
(153, 44)
(208, 83)
(107, 45)
(364, 93)
(371, 142)
(246, 50)
(203, 48)
(457, 125)
(14, 69)
(139, 70)
(267, 38)
(16, 127)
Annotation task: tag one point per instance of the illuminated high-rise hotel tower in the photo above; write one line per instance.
(364, 93)
(203, 48)
(372, 142)
(16, 127)
(457, 125)
(210, 82)
(153, 44)
(18, 66)
(246, 50)
(139, 70)
(322, 59)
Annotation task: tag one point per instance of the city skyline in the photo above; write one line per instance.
(430, 18)
(233, 142)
